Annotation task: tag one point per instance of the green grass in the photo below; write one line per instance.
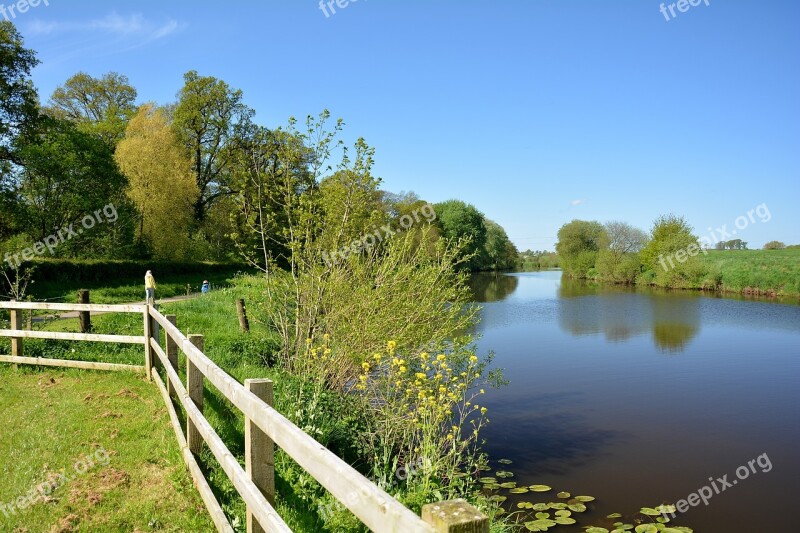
(52, 419)
(126, 290)
(765, 271)
(241, 355)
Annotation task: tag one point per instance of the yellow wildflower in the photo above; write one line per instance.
(391, 345)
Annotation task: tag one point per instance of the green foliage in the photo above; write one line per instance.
(206, 121)
(65, 176)
(18, 97)
(460, 221)
(578, 244)
(98, 106)
(774, 245)
(499, 252)
(538, 259)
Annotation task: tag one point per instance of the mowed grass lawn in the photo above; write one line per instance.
(101, 445)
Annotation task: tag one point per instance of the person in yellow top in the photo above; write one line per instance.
(150, 287)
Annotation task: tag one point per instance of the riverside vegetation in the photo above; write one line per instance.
(671, 256)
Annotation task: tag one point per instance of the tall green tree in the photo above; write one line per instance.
(460, 221)
(500, 252)
(578, 245)
(672, 252)
(209, 120)
(99, 106)
(66, 175)
(18, 98)
(161, 183)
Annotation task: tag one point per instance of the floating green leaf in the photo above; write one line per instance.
(649, 511)
(519, 490)
(540, 488)
(505, 461)
(563, 495)
(585, 498)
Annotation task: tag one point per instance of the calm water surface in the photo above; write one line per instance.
(638, 397)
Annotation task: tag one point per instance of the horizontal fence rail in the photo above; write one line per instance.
(372, 505)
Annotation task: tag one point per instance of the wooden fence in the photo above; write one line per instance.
(264, 428)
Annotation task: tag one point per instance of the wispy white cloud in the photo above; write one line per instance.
(577, 202)
(133, 25)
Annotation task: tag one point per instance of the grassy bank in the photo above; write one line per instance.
(109, 436)
(769, 272)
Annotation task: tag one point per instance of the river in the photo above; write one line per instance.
(638, 397)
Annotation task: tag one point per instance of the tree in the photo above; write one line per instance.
(578, 244)
(100, 106)
(161, 183)
(500, 251)
(64, 175)
(622, 238)
(618, 259)
(18, 98)
(672, 252)
(460, 221)
(208, 120)
(774, 245)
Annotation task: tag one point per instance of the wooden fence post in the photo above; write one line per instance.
(259, 452)
(455, 516)
(148, 334)
(241, 310)
(172, 355)
(16, 323)
(84, 318)
(155, 331)
(194, 385)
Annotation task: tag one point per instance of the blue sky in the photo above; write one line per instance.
(536, 111)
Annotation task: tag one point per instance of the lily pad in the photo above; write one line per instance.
(540, 488)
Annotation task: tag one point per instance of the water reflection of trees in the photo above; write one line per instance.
(492, 287)
(621, 312)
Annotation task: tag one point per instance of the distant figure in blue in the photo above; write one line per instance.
(205, 288)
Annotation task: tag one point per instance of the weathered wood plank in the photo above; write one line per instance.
(16, 342)
(373, 506)
(455, 516)
(194, 384)
(259, 452)
(86, 365)
(252, 496)
(200, 483)
(59, 335)
(172, 354)
(46, 306)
